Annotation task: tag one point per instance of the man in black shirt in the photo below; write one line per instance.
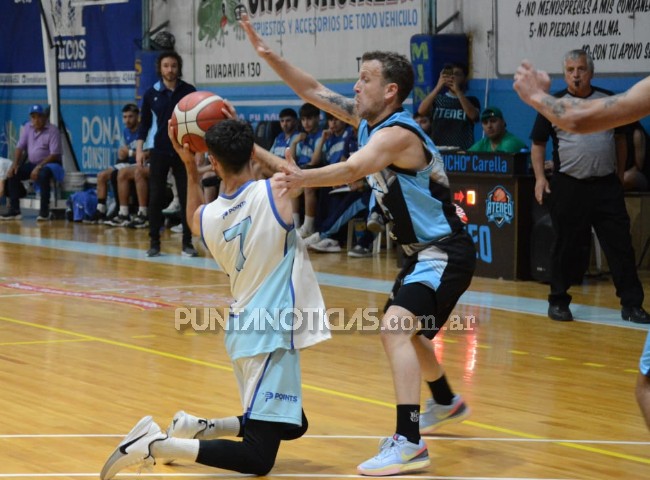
(159, 101)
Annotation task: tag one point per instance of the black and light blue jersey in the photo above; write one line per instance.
(418, 203)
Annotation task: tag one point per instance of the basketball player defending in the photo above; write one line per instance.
(407, 177)
(249, 231)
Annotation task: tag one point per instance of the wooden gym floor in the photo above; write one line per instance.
(88, 345)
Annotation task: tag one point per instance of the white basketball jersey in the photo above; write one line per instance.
(278, 303)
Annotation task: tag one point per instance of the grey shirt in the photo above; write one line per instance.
(581, 156)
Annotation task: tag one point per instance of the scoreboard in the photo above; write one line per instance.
(497, 193)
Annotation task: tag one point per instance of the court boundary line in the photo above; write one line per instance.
(240, 475)
(336, 393)
(438, 438)
(528, 305)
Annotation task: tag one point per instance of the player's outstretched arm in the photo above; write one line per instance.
(195, 198)
(579, 115)
(381, 151)
(301, 82)
(268, 162)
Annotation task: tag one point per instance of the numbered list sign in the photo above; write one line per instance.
(616, 33)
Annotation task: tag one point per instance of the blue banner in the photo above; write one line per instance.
(21, 50)
(96, 47)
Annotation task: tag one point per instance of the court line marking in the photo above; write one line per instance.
(445, 438)
(139, 303)
(533, 306)
(239, 475)
(41, 342)
(327, 391)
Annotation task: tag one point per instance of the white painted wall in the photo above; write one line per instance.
(475, 20)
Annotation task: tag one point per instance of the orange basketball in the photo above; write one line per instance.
(193, 115)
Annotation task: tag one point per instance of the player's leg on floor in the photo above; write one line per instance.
(405, 451)
(443, 407)
(254, 454)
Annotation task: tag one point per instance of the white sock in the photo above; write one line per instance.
(176, 448)
(101, 207)
(296, 220)
(309, 224)
(124, 211)
(142, 210)
(220, 427)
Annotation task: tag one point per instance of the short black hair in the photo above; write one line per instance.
(462, 66)
(231, 143)
(170, 54)
(288, 112)
(131, 107)
(309, 110)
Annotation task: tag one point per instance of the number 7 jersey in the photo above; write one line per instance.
(278, 303)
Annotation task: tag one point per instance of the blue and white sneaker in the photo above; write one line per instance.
(436, 416)
(135, 449)
(396, 455)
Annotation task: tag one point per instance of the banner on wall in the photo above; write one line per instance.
(326, 39)
(96, 42)
(615, 33)
(21, 51)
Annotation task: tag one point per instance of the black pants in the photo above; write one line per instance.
(256, 452)
(159, 165)
(16, 189)
(577, 205)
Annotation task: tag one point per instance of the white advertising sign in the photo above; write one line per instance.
(324, 37)
(616, 33)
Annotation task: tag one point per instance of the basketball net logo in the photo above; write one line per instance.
(65, 17)
(499, 206)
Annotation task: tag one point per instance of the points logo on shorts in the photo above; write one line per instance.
(282, 397)
(499, 206)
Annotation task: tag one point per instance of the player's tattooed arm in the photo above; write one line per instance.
(347, 104)
(342, 107)
(614, 99)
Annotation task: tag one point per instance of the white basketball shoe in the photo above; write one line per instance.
(135, 449)
(184, 425)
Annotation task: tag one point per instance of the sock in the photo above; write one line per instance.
(408, 422)
(176, 448)
(101, 206)
(142, 210)
(124, 211)
(441, 391)
(296, 220)
(308, 225)
(220, 427)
